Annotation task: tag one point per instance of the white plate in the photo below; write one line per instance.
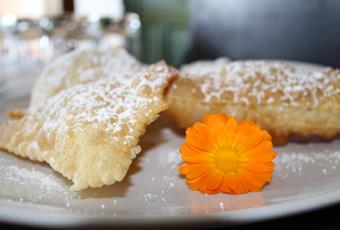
(306, 178)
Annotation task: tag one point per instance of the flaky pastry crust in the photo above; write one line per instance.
(90, 132)
(283, 100)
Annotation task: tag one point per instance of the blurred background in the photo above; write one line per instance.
(34, 32)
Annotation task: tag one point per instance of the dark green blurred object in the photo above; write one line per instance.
(165, 33)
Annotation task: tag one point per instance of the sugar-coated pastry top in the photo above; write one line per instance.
(260, 82)
(204, 67)
(90, 132)
(83, 65)
(106, 101)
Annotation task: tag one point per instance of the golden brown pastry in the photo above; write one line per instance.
(81, 66)
(283, 100)
(90, 132)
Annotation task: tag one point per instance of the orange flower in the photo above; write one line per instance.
(221, 155)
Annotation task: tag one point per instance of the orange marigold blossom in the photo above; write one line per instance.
(222, 155)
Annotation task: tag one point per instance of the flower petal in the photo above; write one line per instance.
(225, 186)
(194, 171)
(260, 167)
(209, 183)
(262, 152)
(236, 185)
(255, 182)
(197, 137)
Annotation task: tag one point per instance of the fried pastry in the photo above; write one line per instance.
(90, 132)
(284, 100)
(81, 66)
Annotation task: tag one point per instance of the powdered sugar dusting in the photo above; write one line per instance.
(98, 124)
(161, 185)
(166, 181)
(106, 101)
(82, 66)
(294, 161)
(154, 186)
(204, 67)
(262, 82)
(24, 176)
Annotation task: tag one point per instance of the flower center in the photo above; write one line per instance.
(227, 159)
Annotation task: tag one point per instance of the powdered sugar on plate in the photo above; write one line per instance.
(24, 181)
(325, 161)
(24, 176)
(154, 186)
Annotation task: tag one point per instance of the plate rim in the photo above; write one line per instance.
(37, 218)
